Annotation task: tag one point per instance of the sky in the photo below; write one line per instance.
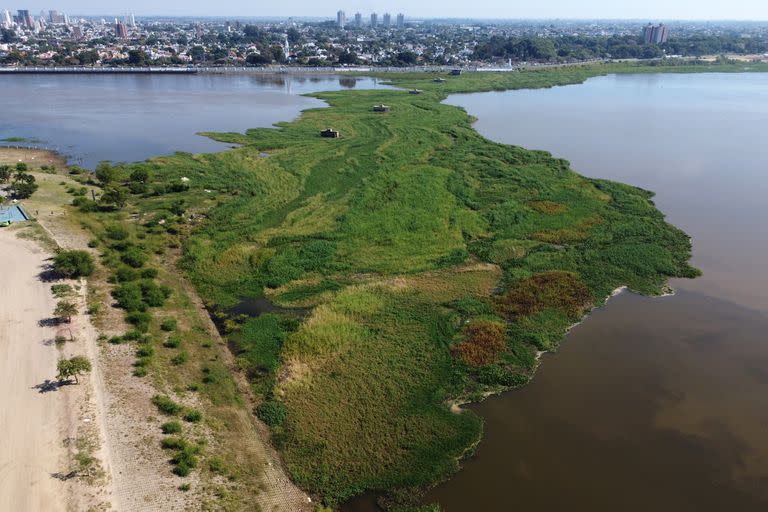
(651, 10)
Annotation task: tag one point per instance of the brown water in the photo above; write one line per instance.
(650, 404)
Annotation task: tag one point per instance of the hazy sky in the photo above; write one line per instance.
(638, 9)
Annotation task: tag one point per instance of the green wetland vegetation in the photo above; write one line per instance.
(433, 263)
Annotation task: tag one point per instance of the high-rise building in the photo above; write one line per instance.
(56, 18)
(132, 21)
(121, 31)
(358, 20)
(341, 19)
(655, 35)
(387, 21)
(401, 21)
(374, 20)
(25, 19)
(77, 33)
(6, 20)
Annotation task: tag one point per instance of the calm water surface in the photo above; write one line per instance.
(132, 117)
(651, 404)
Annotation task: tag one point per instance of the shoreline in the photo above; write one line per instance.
(616, 292)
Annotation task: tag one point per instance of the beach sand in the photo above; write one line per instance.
(31, 422)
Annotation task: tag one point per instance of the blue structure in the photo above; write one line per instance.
(14, 213)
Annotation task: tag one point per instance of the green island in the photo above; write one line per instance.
(416, 265)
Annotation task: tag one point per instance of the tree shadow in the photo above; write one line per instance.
(49, 322)
(48, 275)
(65, 476)
(51, 385)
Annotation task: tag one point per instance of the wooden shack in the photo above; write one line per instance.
(330, 133)
(381, 108)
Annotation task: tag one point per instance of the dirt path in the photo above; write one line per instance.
(31, 421)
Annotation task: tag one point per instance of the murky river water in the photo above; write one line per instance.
(651, 404)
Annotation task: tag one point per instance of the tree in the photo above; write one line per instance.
(140, 175)
(138, 58)
(73, 368)
(348, 57)
(114, 196)
(256, 59)
(65, 310)
(105, 173)
(24, 185)
(5, 173)
(73, 264)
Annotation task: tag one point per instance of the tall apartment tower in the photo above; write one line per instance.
(358, 20)
(655, 35)
(5, 19)
(341, 19)
(374, 20)
(387, 20)
(121, 31)
(401, 21)
(132, 20)
(25, 19)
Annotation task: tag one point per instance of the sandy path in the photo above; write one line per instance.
(31, 447)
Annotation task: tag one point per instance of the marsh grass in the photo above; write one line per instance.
(437, 264)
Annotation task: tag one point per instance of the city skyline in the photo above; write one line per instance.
(481, 9)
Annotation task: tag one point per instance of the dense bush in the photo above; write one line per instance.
(272, 412)
(73, 264)
(134, 257)
(171, 427)
(166, 405)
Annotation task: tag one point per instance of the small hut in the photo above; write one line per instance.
(381, 108)
(330, 133)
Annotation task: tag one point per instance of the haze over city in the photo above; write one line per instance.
(482, 9)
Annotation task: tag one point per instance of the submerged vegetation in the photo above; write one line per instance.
(435, 263)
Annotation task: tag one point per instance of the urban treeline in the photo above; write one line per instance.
(323, 44)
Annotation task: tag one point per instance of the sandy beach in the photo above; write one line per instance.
(31, 422)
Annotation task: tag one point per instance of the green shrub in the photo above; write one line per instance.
(166, 405)
(216, 465)
(179, 359)
(61, 290)
(173, 443)
(168, 325)
(272, 412)
(134, 257)
(125, 273)
(145, 351)
(116, 232)
(129, 297)
(171, 427)
(73, 264)
(139, 319)
(149, 273)
(173, 341)
(192, 416)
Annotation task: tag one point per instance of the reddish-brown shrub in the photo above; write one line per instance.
(483, 342)
(547, 290)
